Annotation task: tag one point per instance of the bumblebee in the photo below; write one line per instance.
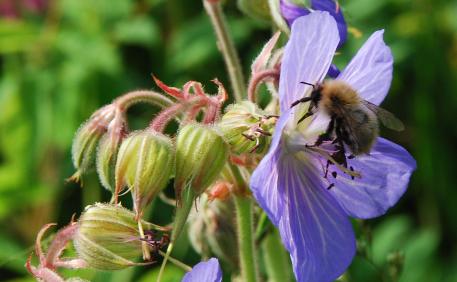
(353, 120)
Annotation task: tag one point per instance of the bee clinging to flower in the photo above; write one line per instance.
(353, 120)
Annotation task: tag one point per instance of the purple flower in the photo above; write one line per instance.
(290, 183)
(291, 12)
(208, 271)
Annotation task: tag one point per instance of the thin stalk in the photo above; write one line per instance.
(144, 245)
(142, 96)
(244, 219)
(245, 225)
(226, 46)
(176, 262)
(182, 213)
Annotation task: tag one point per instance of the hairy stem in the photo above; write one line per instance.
(257, 79)
(142, 96)
(244, 219)
(226, 46)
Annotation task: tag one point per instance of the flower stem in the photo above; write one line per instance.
(227, 48)
(139, 96)
(244, 218)
(144, 245)
(176, 262)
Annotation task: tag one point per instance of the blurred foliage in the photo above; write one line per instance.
(60, 63)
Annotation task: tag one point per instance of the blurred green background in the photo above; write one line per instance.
(60, 60)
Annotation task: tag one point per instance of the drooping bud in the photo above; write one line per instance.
(86, 138)
(145, 164)
(201, 152)
(247, 128)
(108, 238)
(107, 152)
(212, 229)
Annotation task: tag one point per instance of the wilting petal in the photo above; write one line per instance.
(370, 71)
(385, 176)
(307, 56)
(208, 271)
(313, 227)
(333, 8)
(265, 177)
(291, 12)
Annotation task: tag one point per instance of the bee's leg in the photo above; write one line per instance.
(302, 100)
(326, 135)
(307, 115)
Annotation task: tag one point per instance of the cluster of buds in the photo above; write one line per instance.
(109, 236)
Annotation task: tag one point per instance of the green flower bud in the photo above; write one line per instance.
(212, 230)
(107, 153)
(201, 153)
(86, 138)
(107, 237)
(246, 128)
(145, 164)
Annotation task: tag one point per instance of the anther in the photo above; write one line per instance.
(330, 186)
(334, 174)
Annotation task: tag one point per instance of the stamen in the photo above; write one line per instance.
(333, 161)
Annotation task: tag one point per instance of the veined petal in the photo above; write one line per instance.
(334, 10)
(385, 177)
(307, 56)
(313, 227)
(370, 71)
(208, 271)
(264, 180)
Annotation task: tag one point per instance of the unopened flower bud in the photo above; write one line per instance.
(86, 138)
(145, 164)
(107, 152)
(212, 229)
(201, 153)
(246, 128)
(108, 238)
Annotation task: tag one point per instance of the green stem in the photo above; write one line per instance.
(176, 262)
(226, 46)
(244, 218)
(276, 259)
(182, 213)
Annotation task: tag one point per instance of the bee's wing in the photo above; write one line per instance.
(387, 118)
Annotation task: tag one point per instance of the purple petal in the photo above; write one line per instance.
(264, 179)
(333, 71)
(385, 176)
(307, 56)
(208, 271)
(333, 8)
(370, 71)
(313, 227)
(291, 12)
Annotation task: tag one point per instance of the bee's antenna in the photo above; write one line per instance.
(307, 83)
